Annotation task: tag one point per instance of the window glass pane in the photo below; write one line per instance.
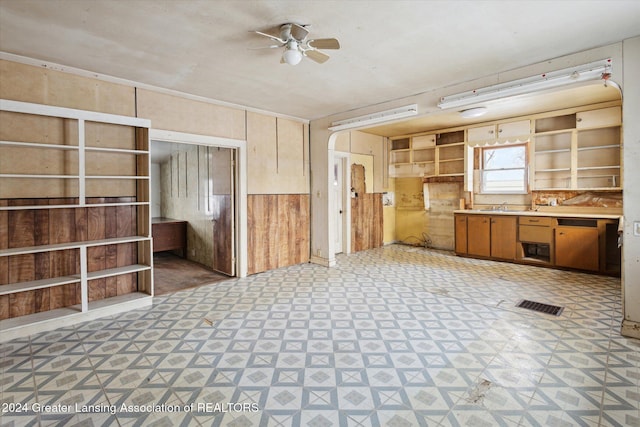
(504, 170)
(504, 181)
(506, 157)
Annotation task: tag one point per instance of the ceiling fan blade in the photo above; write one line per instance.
(324, 43)
(271, 36)
(299, 32)
(316, 55)
(273, 46)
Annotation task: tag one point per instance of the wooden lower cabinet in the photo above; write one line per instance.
(577, 247)
(503, 237)
(479, 235)
(486, 236)
(587, 244)
(461, 234)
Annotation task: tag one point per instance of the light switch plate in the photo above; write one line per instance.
(636, 228)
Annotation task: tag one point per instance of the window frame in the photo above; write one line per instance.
(525, 169)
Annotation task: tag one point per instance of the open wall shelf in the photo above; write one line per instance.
(75, 226)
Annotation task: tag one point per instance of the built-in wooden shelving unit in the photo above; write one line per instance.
(75, 226)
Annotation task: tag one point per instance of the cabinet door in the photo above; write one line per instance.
(423, 141)
(482, 133)
(599, 118)
(503, 237)
(478, 235)
(461, 234)
(577, 247)
(520, 128)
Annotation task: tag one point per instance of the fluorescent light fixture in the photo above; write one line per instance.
(370, 119)
(473, 112)
(592, 71)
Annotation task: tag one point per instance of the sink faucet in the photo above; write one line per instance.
(503, 206)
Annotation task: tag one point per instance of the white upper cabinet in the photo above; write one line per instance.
(482, 133)
(599, 118)
(499, 131)
(514, 129)
(423, 141)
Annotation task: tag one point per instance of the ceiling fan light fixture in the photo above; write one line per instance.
(292, 54)
(293, 37)
(473, 112)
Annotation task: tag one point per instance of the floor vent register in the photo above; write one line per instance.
(554, 310)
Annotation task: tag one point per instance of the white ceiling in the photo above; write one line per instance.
(390, 49)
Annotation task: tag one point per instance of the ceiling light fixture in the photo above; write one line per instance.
(370, 119)
(587, 72)
(473, 112)
(292, 54)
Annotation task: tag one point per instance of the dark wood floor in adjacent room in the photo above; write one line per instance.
(172, 274)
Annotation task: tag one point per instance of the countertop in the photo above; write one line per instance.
(541, 213)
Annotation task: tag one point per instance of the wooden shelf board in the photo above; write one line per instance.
(39, 145)
(599, 147)
(117, 177)
(37, 284)
(553, 132)
(559, 150)
(15, 175)
(116, 150)
(593, 168)
(95, 205)
(63, 317)
(71, 245)
(117, 271)
(75, 205)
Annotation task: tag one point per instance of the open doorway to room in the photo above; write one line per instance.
(193, 214)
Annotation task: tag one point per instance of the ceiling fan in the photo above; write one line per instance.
(293, 38)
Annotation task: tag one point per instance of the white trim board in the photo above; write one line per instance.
(241, 196)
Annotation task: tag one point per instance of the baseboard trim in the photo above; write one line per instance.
(327, 262)
(630, 329)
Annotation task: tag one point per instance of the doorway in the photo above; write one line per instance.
(196, 180)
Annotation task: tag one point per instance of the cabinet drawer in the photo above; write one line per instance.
(536, 220)
(534, 234)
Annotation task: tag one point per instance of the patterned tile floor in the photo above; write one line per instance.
(397, 336)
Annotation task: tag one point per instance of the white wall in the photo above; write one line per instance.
(631, 192)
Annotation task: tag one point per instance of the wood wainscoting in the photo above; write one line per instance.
(278, 231)
(367, 231)
(34, 227)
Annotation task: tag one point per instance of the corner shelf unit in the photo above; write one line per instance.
(75, 226)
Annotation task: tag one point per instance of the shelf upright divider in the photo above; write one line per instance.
(82, 182)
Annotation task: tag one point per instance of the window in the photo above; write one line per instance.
(504, 170)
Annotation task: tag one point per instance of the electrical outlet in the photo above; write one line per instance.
(636, 228)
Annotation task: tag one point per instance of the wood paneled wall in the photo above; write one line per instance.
(366, 222)
(35, 227)
(278, 231)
